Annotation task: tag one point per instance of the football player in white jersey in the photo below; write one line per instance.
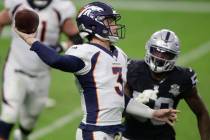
(100, 68)
(26, 77)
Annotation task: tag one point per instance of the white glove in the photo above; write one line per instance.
(28, 38)
(145, 95)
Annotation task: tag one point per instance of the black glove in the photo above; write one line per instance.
(76, 39)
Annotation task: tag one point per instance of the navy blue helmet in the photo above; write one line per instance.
(91, 20)
(39, 4)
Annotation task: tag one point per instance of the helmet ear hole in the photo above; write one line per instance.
(93, 27)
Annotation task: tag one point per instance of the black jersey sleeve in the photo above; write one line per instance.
(131, 66)
(133, 72)
(190, 81)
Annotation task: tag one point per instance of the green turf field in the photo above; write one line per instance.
(193, 31)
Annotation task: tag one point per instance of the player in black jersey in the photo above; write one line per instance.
(162, 85)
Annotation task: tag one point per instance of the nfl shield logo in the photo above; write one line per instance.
(175, 89)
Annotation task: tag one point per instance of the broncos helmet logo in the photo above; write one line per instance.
(90, 11)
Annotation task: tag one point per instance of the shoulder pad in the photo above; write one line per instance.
(65, 8)
(188, 74)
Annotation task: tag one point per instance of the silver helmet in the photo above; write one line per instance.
(162, 50)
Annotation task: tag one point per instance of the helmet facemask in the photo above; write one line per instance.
(115, 31)
(160, 59)
(39, 4)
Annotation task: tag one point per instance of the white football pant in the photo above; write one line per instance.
(24, 96)
(96, 135)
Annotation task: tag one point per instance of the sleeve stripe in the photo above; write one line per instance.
(58, 15)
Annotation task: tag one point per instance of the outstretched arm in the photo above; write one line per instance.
(138, 109)
(67, 63)
(197, 106)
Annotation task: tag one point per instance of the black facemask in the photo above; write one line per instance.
(39, 4)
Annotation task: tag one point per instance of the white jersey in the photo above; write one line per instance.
(102, 80)
(51, 19)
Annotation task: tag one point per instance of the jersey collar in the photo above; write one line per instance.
(112, 53)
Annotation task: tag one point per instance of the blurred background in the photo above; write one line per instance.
(190, 19)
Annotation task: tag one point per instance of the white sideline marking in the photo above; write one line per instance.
(194, 54)
(174, 6)
(59, 123)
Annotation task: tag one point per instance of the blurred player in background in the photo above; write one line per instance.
(26, 78)
(158, 83)
(100, 68)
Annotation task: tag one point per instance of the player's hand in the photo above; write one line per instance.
(166, 115)
(146, 95)
(28, 38)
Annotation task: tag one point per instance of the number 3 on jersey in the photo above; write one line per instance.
(119, 82)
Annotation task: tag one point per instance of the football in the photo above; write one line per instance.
(26, 21)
